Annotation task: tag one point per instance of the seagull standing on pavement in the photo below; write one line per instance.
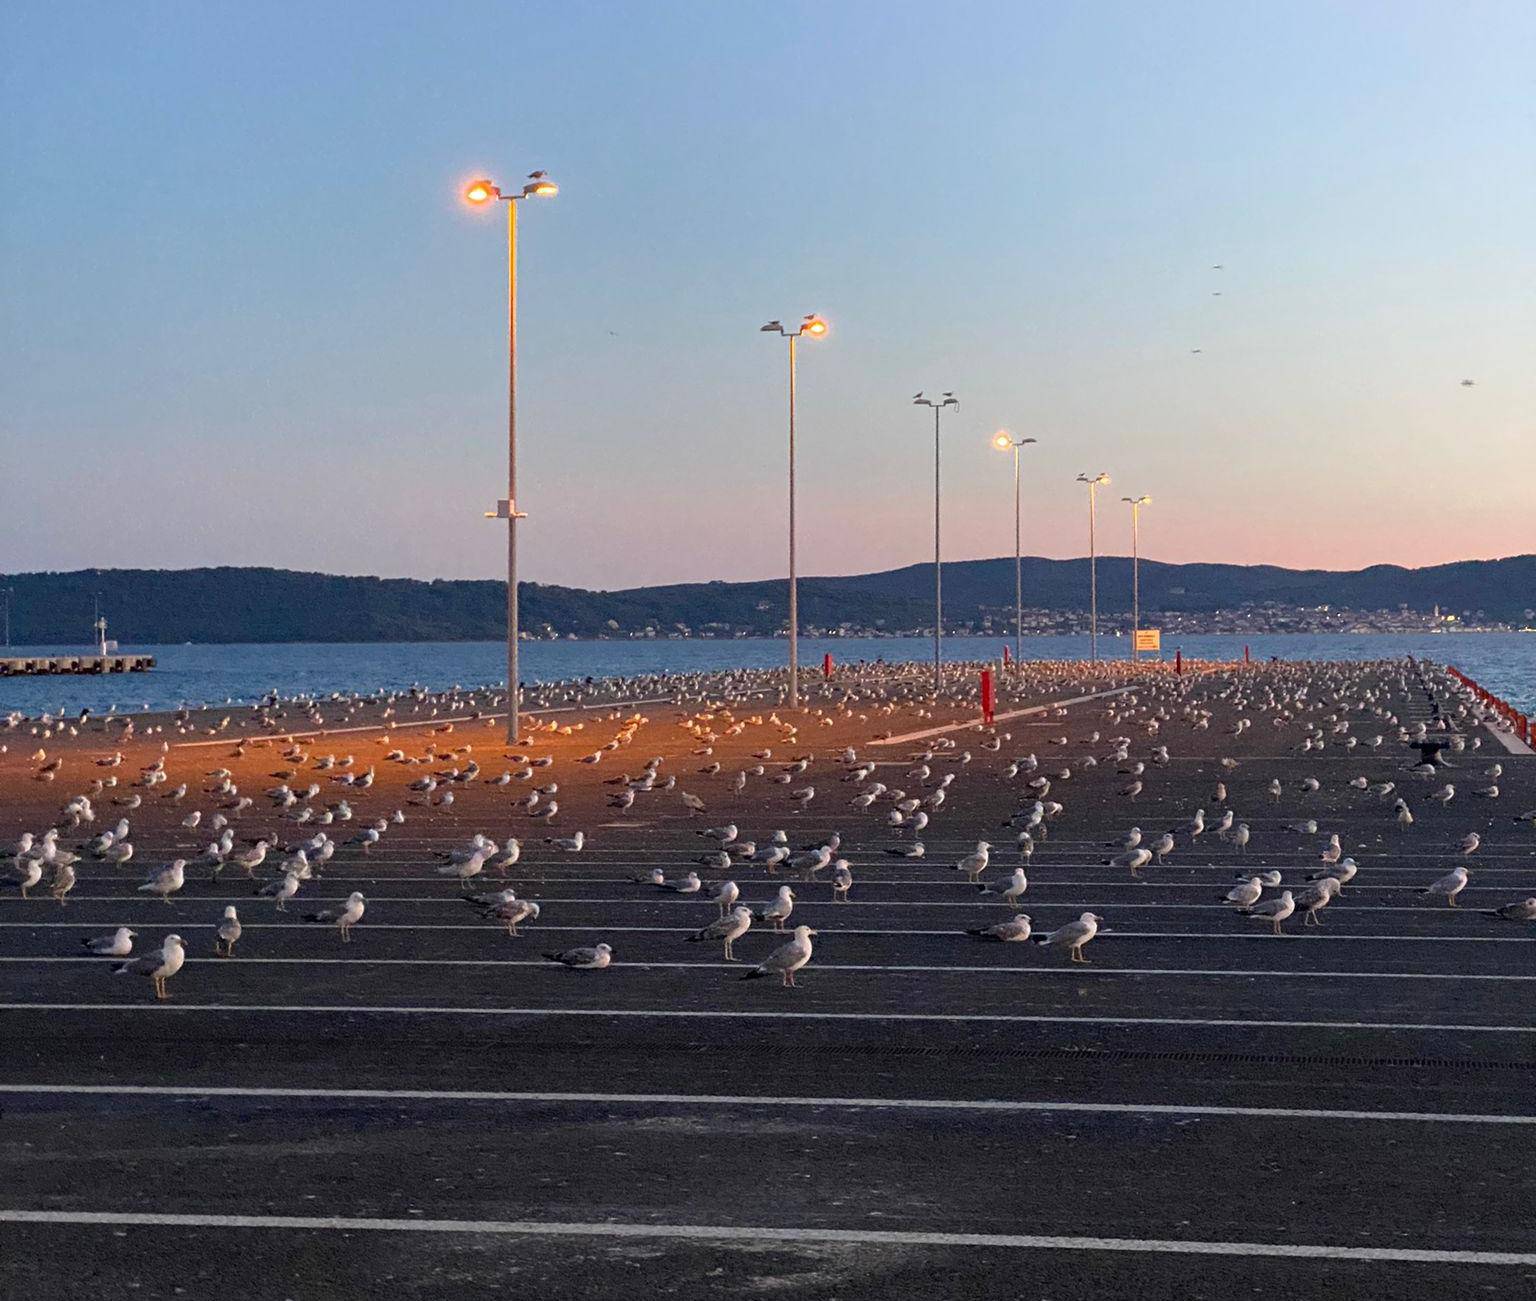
(1073, 936)
(1450, 885)
(787, 959)
(159, 967)
(729, 927)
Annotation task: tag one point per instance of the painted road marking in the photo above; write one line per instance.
(1074, 970)
(756, 1235)
(669, 1014)
(755, 1100)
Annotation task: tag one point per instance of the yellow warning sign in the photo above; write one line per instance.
(1149, 639)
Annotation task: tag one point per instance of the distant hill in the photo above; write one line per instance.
(147, 606)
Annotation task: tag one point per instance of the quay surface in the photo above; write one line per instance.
(433, 1110)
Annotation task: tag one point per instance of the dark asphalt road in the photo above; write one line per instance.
(1200, 1084)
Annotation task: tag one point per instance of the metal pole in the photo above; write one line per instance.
(513, 719)
(7, 618)
(1093, 578)
(938, 571)
(794, 593)
(1135, 578)
(1018, 573)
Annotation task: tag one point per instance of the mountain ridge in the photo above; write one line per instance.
(260, 604)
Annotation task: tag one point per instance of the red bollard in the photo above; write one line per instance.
(1007, 657)
(826, 665)
(988, 696)
(1178, 661)
(1247, 659)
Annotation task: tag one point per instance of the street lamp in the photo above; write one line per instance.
(1136, 504)
(1003, 440)
(1094, 484)
(816, 327)
(946, 400)
(482, 192)
(8, 593)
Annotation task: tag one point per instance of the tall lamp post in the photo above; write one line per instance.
(1136, 504)
(946, 400)
(816, 327)
(8, 593)
(481, 192)
(1094, 484)
(1003, 440)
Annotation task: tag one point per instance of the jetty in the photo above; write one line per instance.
(89, 662)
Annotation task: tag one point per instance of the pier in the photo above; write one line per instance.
(16, 666)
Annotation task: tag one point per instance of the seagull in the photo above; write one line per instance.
(345, 917)
(1316, 897)
(1276, 910)
(281, 890)
(842, 880)
(1015, 928)
(513, 911)
(778, 909)
(725, 894)
(1450, 885)
(690, 884)
(159, 967)
(570, 844)
(1135, 859)
(975, 863)
(117, 945)
(1011, 888)
(787, 958)
(1524, 910)
(584, 959)
(1343, 872)
(228, 933)
(729, 927)
(1073, 936)
(167, 880)
(1245, 894)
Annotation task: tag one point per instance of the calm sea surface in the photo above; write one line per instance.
(1505, 663)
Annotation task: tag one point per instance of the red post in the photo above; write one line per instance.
(826, 665)
(1247, 659)
(1178, 661)
(1007, 656)
(988, 696)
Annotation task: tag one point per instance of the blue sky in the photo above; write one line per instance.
(247, 320)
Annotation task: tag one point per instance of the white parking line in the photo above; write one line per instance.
(757, 1235)
(1075, 969)
(667, 1014)
(756, 1100)
(1311, 934)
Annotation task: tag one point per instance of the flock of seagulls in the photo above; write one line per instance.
(740, 754)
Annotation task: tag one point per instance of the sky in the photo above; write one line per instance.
(245, 317)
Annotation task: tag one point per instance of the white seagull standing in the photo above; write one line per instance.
(1073, 936)
(787, 958)
(1450, 885)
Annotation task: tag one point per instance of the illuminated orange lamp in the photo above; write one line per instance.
(481, 192)
(1001, 440)
(815, 326)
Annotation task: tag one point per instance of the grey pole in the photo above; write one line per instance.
(1018, 566)
(946, 400)
(1093, 563)
(794, 586)
(479, 192)
(1136, 504)
(816, 327)
(513, 702)
(938, 568)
